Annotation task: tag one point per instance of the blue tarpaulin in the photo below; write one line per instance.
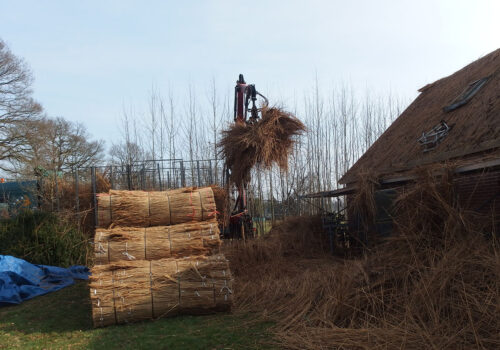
(20, 280)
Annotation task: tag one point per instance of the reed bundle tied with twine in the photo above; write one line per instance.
(152, 243)
(162, 208)
(222, 204)
(130, 291)
(268, 141)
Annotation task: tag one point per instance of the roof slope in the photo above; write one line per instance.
(475, 125)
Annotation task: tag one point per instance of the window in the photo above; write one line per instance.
(429, 140)
(467, 94)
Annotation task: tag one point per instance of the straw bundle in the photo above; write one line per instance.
(103, 209)
(131, 285)
(222, 204)
(129, 291)
(165, 288)
(162, 208)
(263, 143)
(152, 243)
(102, 300)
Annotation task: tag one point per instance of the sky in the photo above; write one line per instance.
(92, 59)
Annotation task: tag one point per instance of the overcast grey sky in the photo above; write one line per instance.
(90, 58)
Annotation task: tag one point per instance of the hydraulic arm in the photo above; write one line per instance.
(245, 112)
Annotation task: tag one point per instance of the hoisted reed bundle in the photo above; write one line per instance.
(161, 208)
(159, 242)
(130, 291)
(268, 141)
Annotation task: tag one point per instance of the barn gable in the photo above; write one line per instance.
(454, 118)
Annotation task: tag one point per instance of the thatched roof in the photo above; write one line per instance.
(475, 125)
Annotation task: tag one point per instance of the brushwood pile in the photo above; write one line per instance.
(157, 255)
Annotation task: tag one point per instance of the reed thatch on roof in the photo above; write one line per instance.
(268, 141)
(475, 125)
(130, 291)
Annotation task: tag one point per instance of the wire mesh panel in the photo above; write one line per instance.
(162, 174)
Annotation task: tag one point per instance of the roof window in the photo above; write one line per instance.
(429, 140)
(467, 94)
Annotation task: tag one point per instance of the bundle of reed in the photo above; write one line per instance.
(102, 299)
(103, 209)
(129, 291)
(263, 143)
(152, 243)
(162, 208)
(222, 204)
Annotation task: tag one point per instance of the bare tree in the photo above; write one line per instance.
(341, 126)
(217, 117)
(131, 149)
(17, 105)
(57, 145)
(171, 126)
(126, 153)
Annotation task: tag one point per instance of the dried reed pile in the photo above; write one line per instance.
(64, 191)
(63, 195)
(129, 291)
(263, 143)
(162, 208)
(159, 242)
(434, 285)
(362, 204)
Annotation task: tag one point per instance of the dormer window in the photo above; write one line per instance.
(467, 94)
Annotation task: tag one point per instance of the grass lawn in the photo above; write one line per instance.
(62, 320)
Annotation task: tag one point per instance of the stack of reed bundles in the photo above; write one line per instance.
(152, 243)
(162, 208)
(156, 255)
(129, 291)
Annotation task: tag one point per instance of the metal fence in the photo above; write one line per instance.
(155, 175)
(75, 191)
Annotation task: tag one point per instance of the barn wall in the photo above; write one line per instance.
(479, 192)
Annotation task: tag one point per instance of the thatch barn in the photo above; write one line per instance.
(452, 126)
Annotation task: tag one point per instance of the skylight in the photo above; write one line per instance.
(429, 140)
(467, 94)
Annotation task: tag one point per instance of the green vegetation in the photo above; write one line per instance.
(43, 238)
(62, 320)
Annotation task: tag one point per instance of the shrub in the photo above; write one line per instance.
(43, 238)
